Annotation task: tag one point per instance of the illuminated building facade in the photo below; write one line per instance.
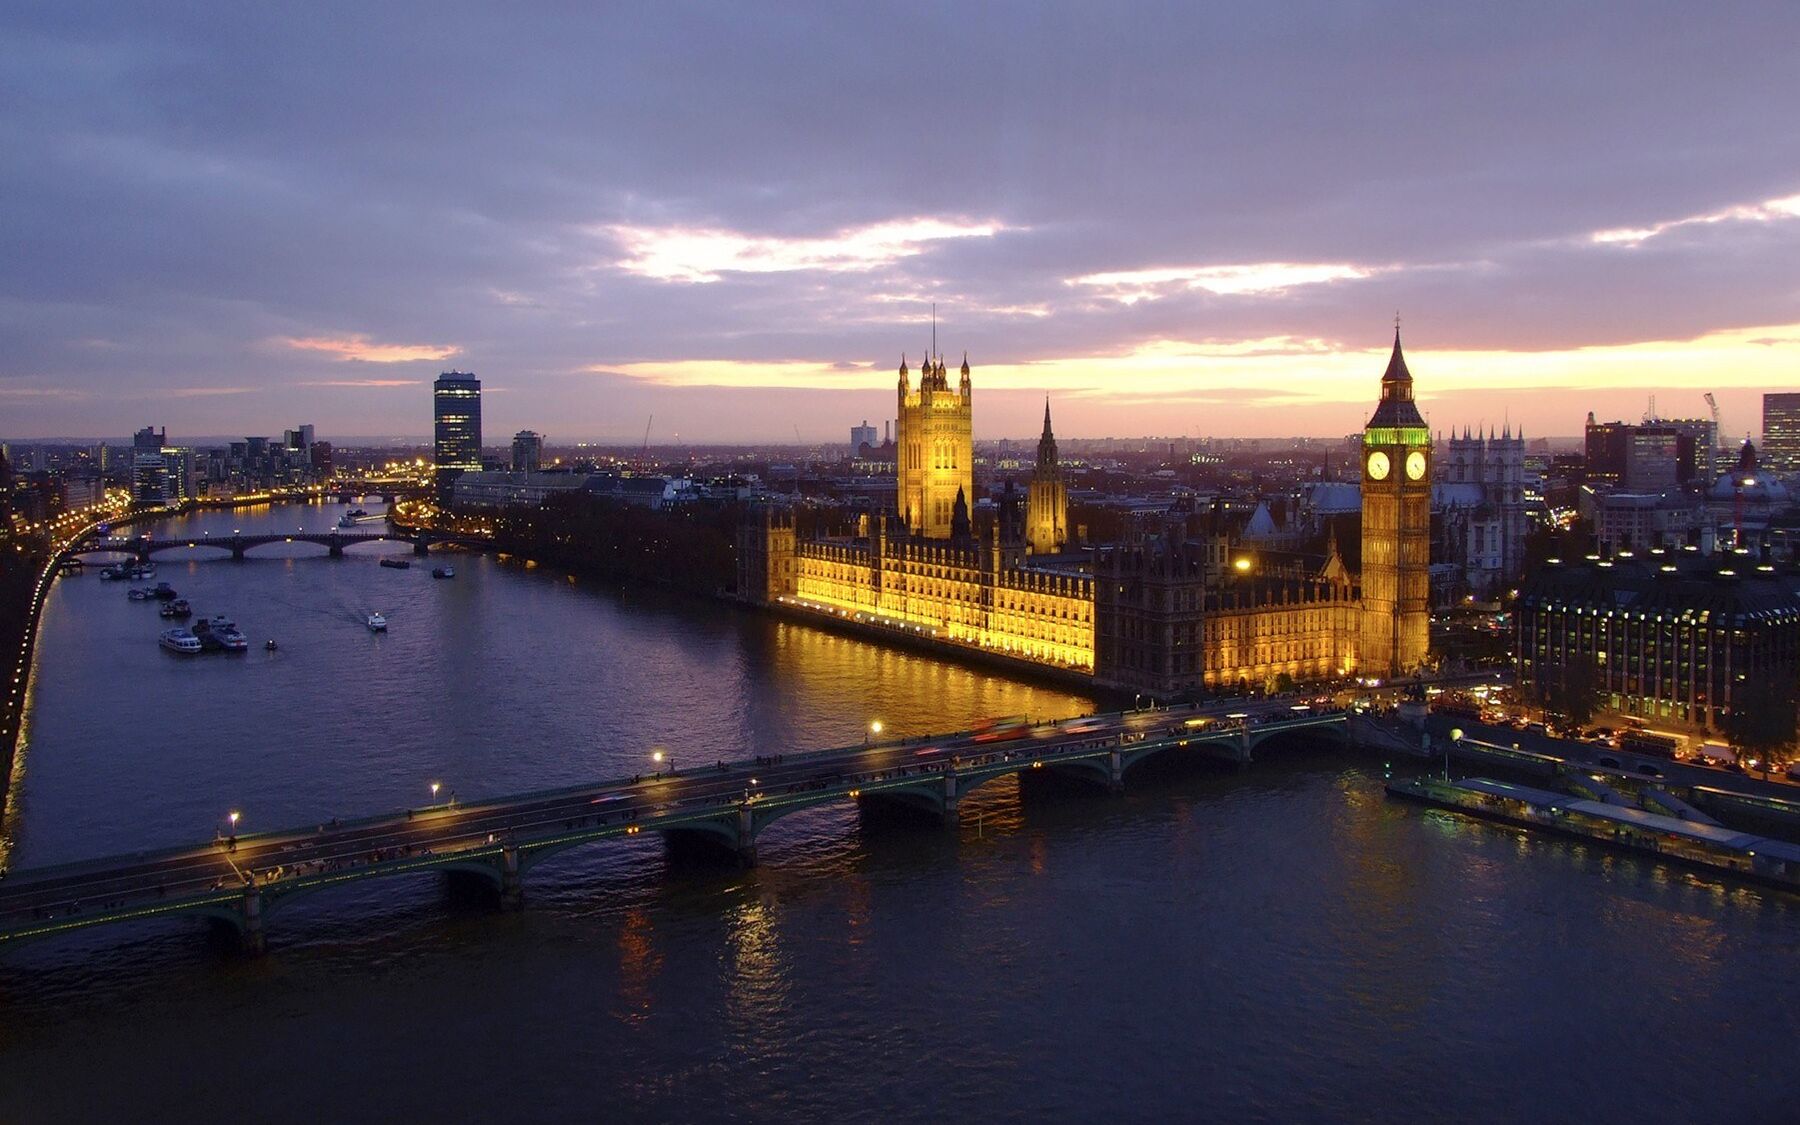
(936, 448)
(1677, 637)
(1177, 616)
(1170, 615)
(1781, 430)
(456, 414)
(1047, 498)
(967, 590)
(1396, 529)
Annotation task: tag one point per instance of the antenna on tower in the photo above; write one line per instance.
(934, 350)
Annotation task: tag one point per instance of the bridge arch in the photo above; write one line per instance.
(483, 865)
(201, 544)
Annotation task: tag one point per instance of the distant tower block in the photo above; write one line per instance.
(1396, 529)
(1047, 500)
(936, 449)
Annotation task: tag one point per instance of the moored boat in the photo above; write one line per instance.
(220, 633)
(397, 564)
(377, 623)
(138, 594)
(179, 640)
(164, 592)
(443, 572)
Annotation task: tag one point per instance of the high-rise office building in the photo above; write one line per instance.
(860, 436)
(1607, 446)
(1652, 461)
(178, 474)
(527, 451)
(149, 478)
(1781, 430)
(456, 410)
(149, 475)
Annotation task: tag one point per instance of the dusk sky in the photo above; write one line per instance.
(232, 219)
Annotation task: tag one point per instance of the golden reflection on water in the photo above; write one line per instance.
(758, 981)
(910, 693)
(639, 963)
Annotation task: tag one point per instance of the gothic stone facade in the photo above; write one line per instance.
(1167, 616)
(935, 448)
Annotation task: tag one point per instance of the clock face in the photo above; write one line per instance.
(1378, 465)
(1415, 464)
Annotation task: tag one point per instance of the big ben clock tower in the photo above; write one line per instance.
(1396, 529)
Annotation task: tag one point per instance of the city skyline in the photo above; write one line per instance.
(1202, 227)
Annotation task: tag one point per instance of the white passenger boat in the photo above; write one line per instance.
(179, 640)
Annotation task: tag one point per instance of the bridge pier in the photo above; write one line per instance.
(746, 838)
(237, 551)
(421, 547)
(951, 814)
(335, 548)
(1115, 782)
(250, 929)
(512, 890)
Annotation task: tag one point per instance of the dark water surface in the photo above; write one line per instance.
(1280, 943)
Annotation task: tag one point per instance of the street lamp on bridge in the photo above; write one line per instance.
(434, 791)
(659, 757)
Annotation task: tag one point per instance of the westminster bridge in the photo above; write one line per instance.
(241, 880)
(239, 545)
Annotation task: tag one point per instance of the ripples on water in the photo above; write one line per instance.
(1278, 943)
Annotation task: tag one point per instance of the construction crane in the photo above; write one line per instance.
(1712, 404)
(644, 450)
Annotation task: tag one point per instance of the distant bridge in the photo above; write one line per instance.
(238, 545)
(242, 880)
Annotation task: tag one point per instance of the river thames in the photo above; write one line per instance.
(1273, 943)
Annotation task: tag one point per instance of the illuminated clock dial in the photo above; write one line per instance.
(1415, 464)
(1378, 465)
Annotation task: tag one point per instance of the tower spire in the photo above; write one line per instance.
(934, 350)
(1047, 416)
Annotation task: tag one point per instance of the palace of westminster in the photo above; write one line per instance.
(1168, 613)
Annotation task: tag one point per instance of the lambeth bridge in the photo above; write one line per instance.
(240, 881)
(238, 545)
